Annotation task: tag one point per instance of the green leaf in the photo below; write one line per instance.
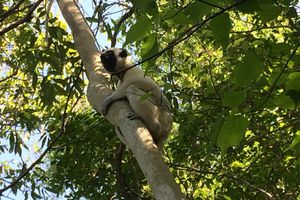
(277, 72)
(11, 142)
(57, 32)
(213, 136)
(92, 19)
(284, 102)
(47, 92)
(293, 81)
(249, 6)
(59, 90)
(1, 10)
(234, 98)
(269, 11)
(216, 129)
(175, 17)
(34, 80)
(280, 49)
(149, 42)
(197, 10)
(139, 30)
(248, 70)
(295, 95)
(146, 6)
(232, 132)
(295, 143)
(149, 48)
(221, 26)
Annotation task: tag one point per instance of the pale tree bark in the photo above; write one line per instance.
(135, 135)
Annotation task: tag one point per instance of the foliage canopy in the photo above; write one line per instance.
(231, 70)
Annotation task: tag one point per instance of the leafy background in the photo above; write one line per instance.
(231, 70)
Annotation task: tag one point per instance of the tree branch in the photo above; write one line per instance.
(269, 195)
(277, 79)
(11, 11)
(262, 28)
(10, 76)
(27, 18)
(137, 137)
(117, 27)
(125, 190)
(210, 4)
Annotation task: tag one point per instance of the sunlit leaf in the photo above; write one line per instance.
(296, 142)
(148, 44)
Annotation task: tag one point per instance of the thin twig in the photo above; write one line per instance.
(11, 11)
(269, 195)
(261, 28)
(10, 76)
(210, 4)
(278, 77)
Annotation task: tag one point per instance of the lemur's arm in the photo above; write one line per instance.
(122, 90)
(119, 94)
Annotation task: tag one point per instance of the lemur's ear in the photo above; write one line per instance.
(123, 53)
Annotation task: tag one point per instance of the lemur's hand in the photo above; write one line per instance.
(105, 105)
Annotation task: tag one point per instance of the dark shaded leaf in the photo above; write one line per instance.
(293, 81)
(232, 132)
(221, 26)
(234, 98)
(248, 70)
(284, 102)
(139, 30)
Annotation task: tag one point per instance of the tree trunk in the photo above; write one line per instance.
(134, 134)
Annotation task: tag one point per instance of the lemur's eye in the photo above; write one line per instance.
(123, 53)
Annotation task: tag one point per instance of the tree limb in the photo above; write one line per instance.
(117, 28)
(135, 134)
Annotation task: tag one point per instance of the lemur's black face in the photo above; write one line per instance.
(111, 57)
